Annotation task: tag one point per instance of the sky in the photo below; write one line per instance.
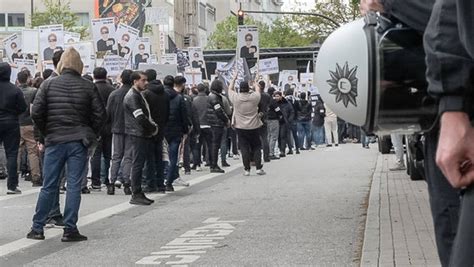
(295, 5)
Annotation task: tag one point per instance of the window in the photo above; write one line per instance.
(211, 13)
(202, 16)
(16, 20)
(82, 19)
(2, 20)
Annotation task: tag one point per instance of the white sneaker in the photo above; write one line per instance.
(198, 168)
(398, 167)
(118, 184)
(261, 172)
(180, 182)
(246, 173)
(236, 157)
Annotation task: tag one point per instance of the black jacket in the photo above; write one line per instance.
(200, 105)
(319, 113)
(68, 108)
(287, 111)
(303, 110)
(115, 109)
(29, 93)
(178, 117)
(159, 102)
(193, 118)
(215, 111)
(105, 89)
(274, 111)
(137, 117)
(264, 105)
(12, 101)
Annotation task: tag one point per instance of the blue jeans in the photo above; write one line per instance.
(56, 156)
(318, 135)
(173, 153)
(304, 130)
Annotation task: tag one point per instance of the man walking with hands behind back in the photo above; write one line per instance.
(69, 113)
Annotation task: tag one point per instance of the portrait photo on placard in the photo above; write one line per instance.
(51, 40)
(196, 57)
(141, 51)
(248, 41)
(12, 45)
(126, 38)
(103, 33)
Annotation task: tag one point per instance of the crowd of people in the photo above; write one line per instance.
(136, 133)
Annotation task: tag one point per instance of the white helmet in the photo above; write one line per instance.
(371, 73)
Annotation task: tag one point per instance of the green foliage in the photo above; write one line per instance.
(318, 28)
(280, 34)
(58, 13)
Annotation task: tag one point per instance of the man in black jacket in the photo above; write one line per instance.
(70, 115)
(263, 106)
(317, 128)
(218, 120)
(159, 102)
(121, 156)
(303, 118)
(139, 128)
(12, 104)
(293, 135)
(105, 143)
(273, 124)
(177, 127)
(285, 121)
(200, 103)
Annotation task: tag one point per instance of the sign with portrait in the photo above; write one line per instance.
(51, 40)
(28, 64)
(71, 37)
(103, 33)
(247, 41)
(306, 78)
(288, 79)
(12, 45)
(193, 77)
(196, 57)
(141, 51)
(268, 66)
(86, 50)
(126, 37)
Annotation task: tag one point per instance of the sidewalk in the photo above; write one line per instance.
(399, 229)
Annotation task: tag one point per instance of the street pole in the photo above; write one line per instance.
(293, 13)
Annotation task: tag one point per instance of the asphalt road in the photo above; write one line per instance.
(308, 210)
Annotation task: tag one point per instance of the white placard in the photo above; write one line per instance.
(169, 59)
(86, 50)
(51, 40)
(103, 33)
(142, 51)
(307, 77)
(12, 45)
(114, 65)
(196, 57)
(28, 64)
(156, 16)
(288, 79)
(268, 66)
(126, 37)
(153, 59)
(162, 70)
(193, 77)
(30, 43)
(221, 65)
(71, 37)
(247, 41)
(13, 75)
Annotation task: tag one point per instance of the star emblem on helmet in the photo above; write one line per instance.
(343, 84)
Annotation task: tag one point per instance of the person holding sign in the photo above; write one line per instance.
(106, 43)
(123, 49)
(248, 50)
(49, 51)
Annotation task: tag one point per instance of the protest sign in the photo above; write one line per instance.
(153, 59)
(288, 79)
(227, 73)
(268, 66)
(193, 77)
(156, 16)
(169, 59)
(28, 64)
(141, 51)
(128, 12)
(12, 45)
(196, 57)
(13, 74)
(30, 43)
(114, 65)
(220, 65)
(182, 58)
(71, 37)
(126, 38)
(306, 78)
(162, 70)
(103, 34)
(86, 50)
(51, 39)
(247, 41)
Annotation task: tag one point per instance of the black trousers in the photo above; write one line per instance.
(140, 151)
(217, 133)
(251, 147)
(155, 170)
(263, 132)
(104, 148)
(10, 137)
(203, 142)
(283, 138)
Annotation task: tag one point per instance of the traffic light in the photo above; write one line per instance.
(240, 15)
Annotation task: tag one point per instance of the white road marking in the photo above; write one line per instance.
(24, 193)
(24, 243)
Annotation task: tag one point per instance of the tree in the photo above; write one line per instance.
(317, 28)
(280, 34)
(58, 13)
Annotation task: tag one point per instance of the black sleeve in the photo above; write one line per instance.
(98, 114)
(184, 114)
(21, 105)
(39, 109)
(219, 109)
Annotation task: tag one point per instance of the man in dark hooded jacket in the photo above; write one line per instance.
(285, 121)
(303, 116)
(159, 102)
(12, 104)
